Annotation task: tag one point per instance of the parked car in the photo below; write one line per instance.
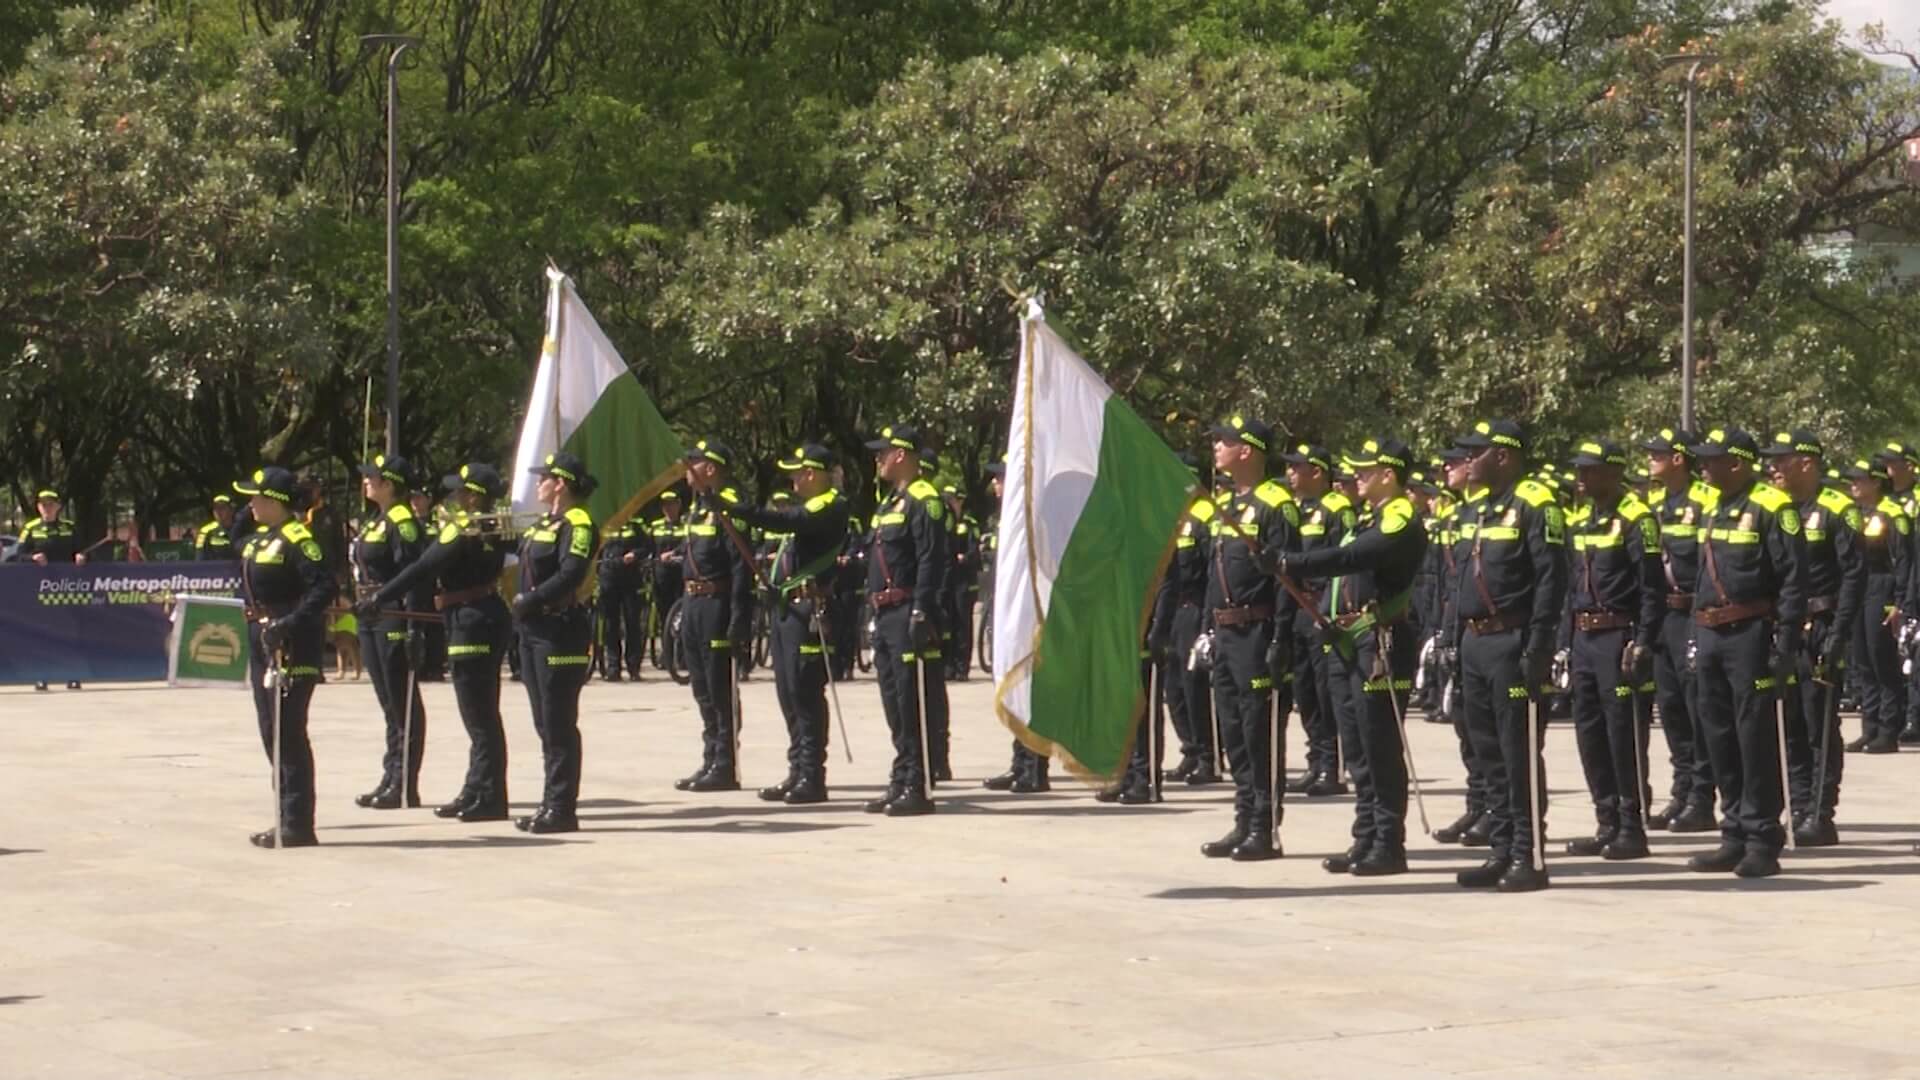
(8, 546)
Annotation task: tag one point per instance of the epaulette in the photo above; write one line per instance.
(1835, 503)
(295, 531)
(1272, 493)
(1705, 495)
(578, 517)
(1771, 498)
(1203, 509)
(1396, 514)
(1632, 509)
(822, 501)
(1534, 493)
(1336, 501)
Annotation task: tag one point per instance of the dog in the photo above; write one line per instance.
(346, 647)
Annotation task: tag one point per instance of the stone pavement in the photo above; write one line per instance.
(1007, 937)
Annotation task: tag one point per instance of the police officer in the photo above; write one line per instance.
(214, 540)
(1748, 612)
(1370, 656)
(623, 556)
(933, 669)
(287, 588)
(849, 591)
(1680, 503)
(963, 586)
(1179, 610)
(1474, 827)
(389, 542)
(1900, 460)
(466, 557)
(1028, 772)
(714, 620)
(50, 540)
(906, 570)
(556, 633)
(1326, 518)
(814, 526)
(1835, 576)
(1510, 548)
(1257, 524)
(1885, 538)
(668, 532)
(1618, 600)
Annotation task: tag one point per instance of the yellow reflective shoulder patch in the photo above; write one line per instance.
(1555, 521)
(449, 533)
(1395, 516)
(580, 541)
(311, 549)
(1789, 519)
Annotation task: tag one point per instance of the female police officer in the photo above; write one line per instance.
(556, 631)
(287, 587)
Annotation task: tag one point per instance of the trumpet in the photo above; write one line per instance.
(505, 525)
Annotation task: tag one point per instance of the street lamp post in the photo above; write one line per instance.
(1686, 258)
(400, 43)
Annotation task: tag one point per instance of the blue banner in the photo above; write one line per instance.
(102, 622)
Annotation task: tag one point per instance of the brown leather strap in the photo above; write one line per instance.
(1593, 621)
(1494, 624)
(887, 598)
(464, 596)
(1680, 601)
(702, 587)
(1241, 616)
(1713, 572)
(1480, 570)
(1726, 614)
(1820, 605)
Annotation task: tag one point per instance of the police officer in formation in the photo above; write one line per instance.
(466, 558)
(813, 528)
(1257, 524)
(1327, 517)
(287, 587)
(1886, 538)
(1615, 594)
(906, 571)
(556, 632)
(1500, 635)
(617, 604)
(717, 579)
(1835, 577)
(1680, 503)
(50, 540)
(1029, 772)
(1369, 651)
(1178, 618)
(389, 646)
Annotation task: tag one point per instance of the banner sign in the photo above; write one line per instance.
(102, 622)
(208, 645)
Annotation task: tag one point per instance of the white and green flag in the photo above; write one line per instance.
(1088, 509)
(587, 403)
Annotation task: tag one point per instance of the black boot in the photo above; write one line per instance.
(686, 782)
(1593, 845)
(1484, 876)
(1223, 847)
(452, 809)
(1629, 842)
(1203, 774)
(1299, 784)
(879, 805)
(1451, 834)
(1382, 862)
(1259, 846)
(1188, 763)
(525, 823)
(380, 791)
(1325, 784)
(1036, 779)
(720, 779)
(1908, 735)
(1137, 793)
(1664, 816)
(1344, 862)
(1697, 817)
(1480, 833)
(1107, 794)
(1522, 877)
(1003, 782)
(1761, 860)
(1856, 745)
(810, 788)
(485, 809)
(912, 802)
(778, 792)
(1885, 743)
(1721, 859)
(1816, 834)
(289, 838)
(549, 820)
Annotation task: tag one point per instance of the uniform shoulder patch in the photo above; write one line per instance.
(449, 532)
(1203, 509)
(822, 501)
(579, 518)
(1397, 514)
(295, 531)
(1772, 499)
(1553, 523)
(1533, 493)
(1273, 494)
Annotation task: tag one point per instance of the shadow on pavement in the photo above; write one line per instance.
(1690, 883)
(455, 842)
(22, 851)
(749, 828)
(18, 999)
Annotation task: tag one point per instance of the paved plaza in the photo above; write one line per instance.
(1013, 937)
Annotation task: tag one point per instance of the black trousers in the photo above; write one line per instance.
(1366, 695)
(554, 659)
(1243, 698)
(1493, 696)
(709, 657)
(477, 635)
(1610, 728)
(1813, 729)
(1738, 722)
(800, 682)
(1883, 688)
(1149, 736)
(383, 650)
(894, 663)
(1190, 693)
(960, 642)
(623, 637)
(934, 686)
(1312, 690)
(1676, 693)
(843, 631)
(296, 695)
